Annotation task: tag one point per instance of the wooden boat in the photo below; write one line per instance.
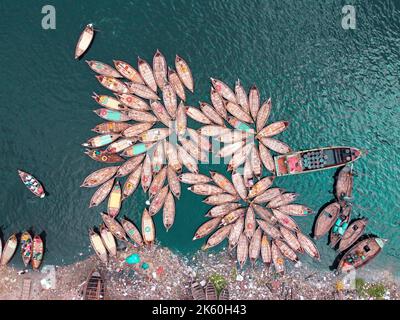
(249, 223)
(109, 102)
(309, 247)
(142, 116)
(291, 239)
(158, 201)
(101, 193)
(255, 162)
(170, 100)
(197, 291)
(260, 187)
(194, 178)
(206, 228)
(32, 184)
(154, 135)
(266, 158)
(84, 41)
(181, 120)
(223, 90)
(114, 227)
(224, 294)
(101, 141)
(184, 73)
(161, 113)
(205, 189)
(9, 249)
(194, 150)
(111, 127)
(108, 240)
(360, 254)
(326, 220)
(232, 216)
(99, 177)
(295, 210)
(169, 211)
(129, 166)
(112, 84)
(211, 114)
(160, 69)
(255, 245)
(133, 102)
(286, 250)
(263, 115)
(254, 101)
(148, 229)
(286, 220)
(176, 83)
(198, 116)
(275, 145)
(120, 145)
(277, 259)
(219, 199)
(222, 209)
(266, 254)
(238, 125)
(242, 250)
(136, 129)
(132, 231)
(132, 182)
(238, 112)
(128, 71)
(268, 195)
(240, 157)
(236, 231)
(104, 156)
(352, 234)
(142, 91)
(147, 74)
(94, 288)
(171, 154)
(26, 248)
(264, 213)
(173, 182)
(344, 183)
(147, 175)
(315, 160)
(103, 69)
(273, 129)
(114, 201)
(340, 226)
(37, 252)
(112, 115)
(158, 182)
(269, 229)
(211, 292)
(217, 237)
(98, 246)
(241, 96)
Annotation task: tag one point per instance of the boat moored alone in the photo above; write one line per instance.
(315, 160)
(361, 253)
(32, 184)
(37, 252)
(84, 41)
(9, 249)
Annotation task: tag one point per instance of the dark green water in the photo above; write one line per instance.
(335, 86)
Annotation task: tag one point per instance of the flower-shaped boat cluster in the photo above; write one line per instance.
(144, 132)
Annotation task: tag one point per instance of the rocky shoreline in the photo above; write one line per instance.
(170, 275)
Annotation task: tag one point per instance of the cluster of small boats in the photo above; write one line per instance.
(104, 242)
(31, 250)
(129, 142)
(335, 219)
(256, 220)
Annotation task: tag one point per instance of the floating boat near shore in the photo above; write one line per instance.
(101, 193)
(99, 177)
(242, 250)
(103, 69)
(132, 231)
(37, 252)
(206, 228)
(361, 254)
(108, 240)
(94, 288)
(277, 259)
(26, 248)
(326, 220)
(184, 73)
(352, 234)
(315, 160)
(9, 249)
(266, 254)
(309, 247)
(169, 211)
(114, 201)
(115, 228)
(344, 183)
(132, 182)
(98, 246)
(32, 184)
(217, 237)
(148, 229)
(128, 71)
(84, 41)
(340, 226)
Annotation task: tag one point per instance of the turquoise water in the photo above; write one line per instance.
(335, 86)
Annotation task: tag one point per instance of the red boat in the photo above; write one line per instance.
(32, 184)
